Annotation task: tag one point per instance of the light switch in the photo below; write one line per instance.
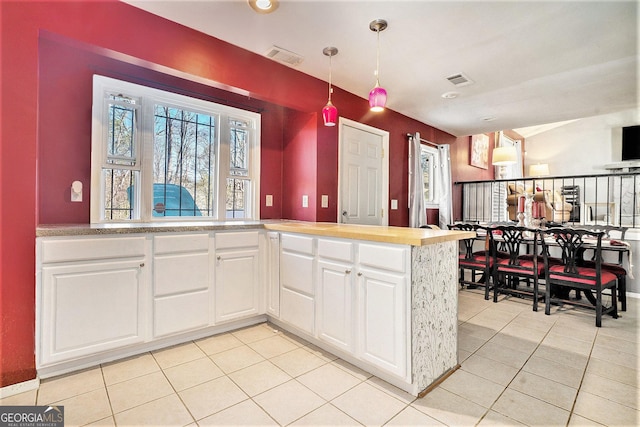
(305, 201)
(324, 202)
(269, 200)
(394, 204)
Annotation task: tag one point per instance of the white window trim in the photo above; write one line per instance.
(433, 188)
(144, 145)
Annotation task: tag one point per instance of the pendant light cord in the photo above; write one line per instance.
(378, 59)
(330, 89)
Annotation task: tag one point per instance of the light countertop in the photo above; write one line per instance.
(385, 234)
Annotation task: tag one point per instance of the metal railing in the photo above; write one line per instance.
(606, 199)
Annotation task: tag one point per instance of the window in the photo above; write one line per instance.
(156, 154)
(429, 161)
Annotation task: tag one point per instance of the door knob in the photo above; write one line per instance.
(344, 213)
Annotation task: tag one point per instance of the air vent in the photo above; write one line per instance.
(459, 80)
(282, 55)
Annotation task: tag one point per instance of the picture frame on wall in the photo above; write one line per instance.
(479, 151)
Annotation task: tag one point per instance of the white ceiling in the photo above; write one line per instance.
(533, 63)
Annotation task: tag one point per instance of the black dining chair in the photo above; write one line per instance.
(613, 233)
(476, 262)
(573, 275)
(508, 272)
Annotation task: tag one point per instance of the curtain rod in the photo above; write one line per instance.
(425, 141)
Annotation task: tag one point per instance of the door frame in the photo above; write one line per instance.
(384, 197)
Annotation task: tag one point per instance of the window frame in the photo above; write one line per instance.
(433, 152)
(144, 129)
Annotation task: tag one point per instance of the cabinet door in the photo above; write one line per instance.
(334, 301)
(91, 307)
(237, 284)
(382, 330)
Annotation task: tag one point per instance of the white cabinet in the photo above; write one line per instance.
(273, 273)
(238, 287)
(297, 288)
(181, 283)
(335, 297)
(384, 306)
(91, 296)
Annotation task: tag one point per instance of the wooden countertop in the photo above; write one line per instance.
(397, 235)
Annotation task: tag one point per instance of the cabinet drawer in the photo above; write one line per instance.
(384, 257)
(181, 243)
(300, 244)
(98, 248)
(296, 272)
(241, 239)
(334, 249)
(178, 313)
(297, 310)
(180, 273)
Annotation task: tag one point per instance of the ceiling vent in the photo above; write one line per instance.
(459, 80)
(282, 55)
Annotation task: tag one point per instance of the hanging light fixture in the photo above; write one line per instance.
(330, 112)
(378, 95)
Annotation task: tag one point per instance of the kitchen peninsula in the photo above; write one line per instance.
(382, 298)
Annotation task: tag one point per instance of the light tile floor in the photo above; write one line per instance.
(519, 367)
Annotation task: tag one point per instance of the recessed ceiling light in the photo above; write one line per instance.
(263, 6)
(450, 95)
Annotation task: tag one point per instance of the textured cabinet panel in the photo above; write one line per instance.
(297, 310)
(93, 248)
(175, 243)
(180, 273)
(237, 284)
(334, 300)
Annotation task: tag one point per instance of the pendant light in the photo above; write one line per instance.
(378, 95)
(330, 112)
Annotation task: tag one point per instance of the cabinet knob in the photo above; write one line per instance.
(219, 258)
(359, 274)
(347, 271)
(142, 264)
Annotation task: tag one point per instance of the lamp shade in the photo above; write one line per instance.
(377, 99)
(539, 170)
(330, 114)
(503, 156)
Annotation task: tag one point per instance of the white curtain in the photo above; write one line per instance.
(444, 184)
(417, 210)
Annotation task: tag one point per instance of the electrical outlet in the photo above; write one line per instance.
(305, 201)
(394, 204)
(269, 200)
(324, 201)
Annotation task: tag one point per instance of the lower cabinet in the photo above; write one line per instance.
(382, 326)
(109, 295)
(181, 283)
(297, 281)
(361, 298)
(238, 287)
(92, 305)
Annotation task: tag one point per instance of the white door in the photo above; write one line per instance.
(364, 174)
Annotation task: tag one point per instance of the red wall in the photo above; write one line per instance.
(50, 50)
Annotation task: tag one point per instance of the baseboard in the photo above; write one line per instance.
(22, 387)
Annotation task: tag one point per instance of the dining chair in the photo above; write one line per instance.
(507, 272)
(477, 262)
(572, 274)
(612, 233)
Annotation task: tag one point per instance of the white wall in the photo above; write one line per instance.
(580, 147)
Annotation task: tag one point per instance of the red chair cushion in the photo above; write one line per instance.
(478, 261)
(606, 276)
(616, 269)
(525, 264)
